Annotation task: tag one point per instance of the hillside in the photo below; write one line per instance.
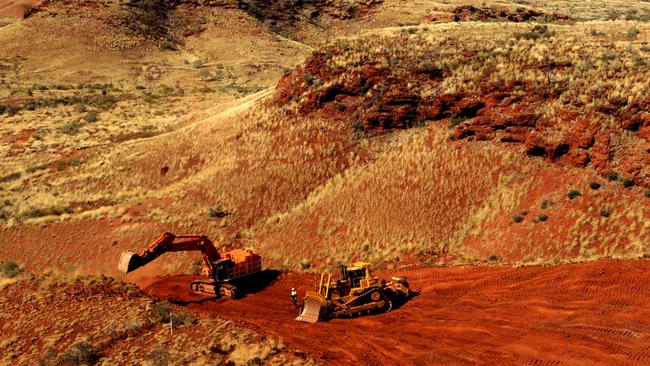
(449, 141)
(59, 324)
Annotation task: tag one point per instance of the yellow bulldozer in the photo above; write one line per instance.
(355, 293)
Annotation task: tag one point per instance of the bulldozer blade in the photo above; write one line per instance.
(128, 262)
(310, 310)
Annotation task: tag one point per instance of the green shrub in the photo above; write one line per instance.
(160, 312)
(542, 217)
(545, 204)
(10, 269)
(218, 212)
(91, 117)
(573, 194)
(517, 218)
(305, 264)
(605, 212)
(3, 108)
(494, 258)
(594, 185)
(612, 176)
(70, 128)
(456, 120)
(627, 182)
(82, 353)
(647, 193)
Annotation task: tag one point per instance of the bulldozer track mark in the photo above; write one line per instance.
(493, 315)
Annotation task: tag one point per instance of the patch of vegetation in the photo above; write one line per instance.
(305, 264)
(605, 212)
(542, 217)
(10, 177)
(456, 120)
(517, 218)
(70, 128)
(613, 176)
(537, 32)
(49, 211)
(647, 193)
(573, 194)
(627, 183)
(594, 185)
(91, 117)
(81, 353)
(494, 258)
(65, 164)
(218, 212)
(545, 204)
(10, 269)
(162, 312)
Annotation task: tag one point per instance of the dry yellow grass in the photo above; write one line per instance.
(301, 179)
(59, 310)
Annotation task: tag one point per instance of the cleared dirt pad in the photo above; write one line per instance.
(593, 313)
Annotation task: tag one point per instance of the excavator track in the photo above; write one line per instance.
(216, 289)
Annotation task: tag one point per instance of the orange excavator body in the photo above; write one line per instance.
(220, 266)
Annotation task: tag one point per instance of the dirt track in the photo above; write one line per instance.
(594, 313)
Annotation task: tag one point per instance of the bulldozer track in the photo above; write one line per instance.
(589, 313)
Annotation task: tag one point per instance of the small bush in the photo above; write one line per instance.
(49, 211)
(456, 120)
(65, 164)
(542, 217)
(10, 269)
(627, 183)
(573, 194)
(594, 185)
(3, 108)
(524, 213)
(91, 117)
(305, 264)
(545, 204)
(159, 357)
(494, 258)
(82, 353)
(612, 176)
(605, 212)
(160, 312)
(70, 128)
(517, 218)
(647, 193)
(218, 212)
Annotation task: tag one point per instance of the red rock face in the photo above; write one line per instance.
(472, 13)
(609, 137)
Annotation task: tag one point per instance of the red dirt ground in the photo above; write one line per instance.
(591, 313)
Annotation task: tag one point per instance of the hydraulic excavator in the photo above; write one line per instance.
(355, 293)
(220, 267)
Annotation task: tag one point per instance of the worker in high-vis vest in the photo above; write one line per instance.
(294, 297)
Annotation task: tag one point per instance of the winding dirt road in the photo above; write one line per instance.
(592, 313)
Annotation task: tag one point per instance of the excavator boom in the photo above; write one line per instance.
(130, 261)
(220, 267)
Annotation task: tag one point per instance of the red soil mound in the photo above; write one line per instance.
(19, 8)
(568, 314)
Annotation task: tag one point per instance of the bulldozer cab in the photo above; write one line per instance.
(358, 275)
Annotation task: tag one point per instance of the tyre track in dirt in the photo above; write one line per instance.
(590, 313)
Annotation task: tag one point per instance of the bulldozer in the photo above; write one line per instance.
(355, 293)
(220, 267)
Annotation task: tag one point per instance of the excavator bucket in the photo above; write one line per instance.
(128, 262)
(311, 309)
